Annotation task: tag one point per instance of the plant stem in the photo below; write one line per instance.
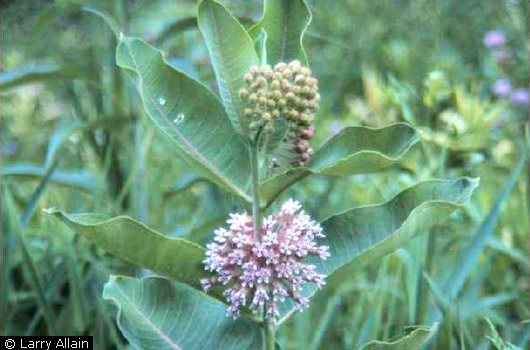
(268, 331)
(269, 327)
(254, 168)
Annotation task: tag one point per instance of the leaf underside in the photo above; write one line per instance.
(355, 150)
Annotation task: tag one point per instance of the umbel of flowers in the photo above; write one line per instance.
(260, 272)
(286, 91)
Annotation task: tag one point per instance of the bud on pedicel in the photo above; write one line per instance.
(286, 91)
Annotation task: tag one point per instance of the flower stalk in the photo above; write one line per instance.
(269, 334)
(254, 168)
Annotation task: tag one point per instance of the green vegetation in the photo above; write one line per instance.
(418, 175)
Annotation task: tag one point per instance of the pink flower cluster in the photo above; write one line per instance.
(262, 271)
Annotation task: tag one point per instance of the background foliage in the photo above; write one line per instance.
(75, 136)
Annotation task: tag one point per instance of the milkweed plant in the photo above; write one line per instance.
(253, 139)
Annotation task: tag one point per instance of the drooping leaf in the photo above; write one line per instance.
(285, 22)
(365, 234)
(39, 74)
(177, 27)
(355, 150)
(232, 53)
(201, 131)
(156, 314)
(75, 179)
(136, 243)
(469, 257)
(107, 17)
(414, 341)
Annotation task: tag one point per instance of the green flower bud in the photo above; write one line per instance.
(290, 96)
(305, 119)
(294, 64)
(299, 79)
(287, 73)
(280, 66)
(311, 82)
(286, 85)
(248, 78)
(276, 94)
(262, 82)
(254, 70)
(276, 84)
(243, 93)
(297, 89)
(248, 112)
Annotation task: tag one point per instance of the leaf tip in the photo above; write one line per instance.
(51, 211)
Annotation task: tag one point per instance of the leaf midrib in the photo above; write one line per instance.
(188, 146)
(146, 319)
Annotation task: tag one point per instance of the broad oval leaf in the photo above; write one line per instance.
(359, 149)
(136, 243)
(285, 22)
(190, 114)
(414, 341)
(355, 150)
(365, 234)
(232, 53)
(156, 314)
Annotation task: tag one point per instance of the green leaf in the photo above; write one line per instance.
(414, 341)
(39, 74)
(105, 16)
(76, 179)
(232, 53)
(136, 243)
(355, 150)
(285, 22)
(468, 259)
(365, 234)
(201, 130)
(156, 314)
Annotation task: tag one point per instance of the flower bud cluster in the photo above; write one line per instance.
(286, 91)
(262, 271)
